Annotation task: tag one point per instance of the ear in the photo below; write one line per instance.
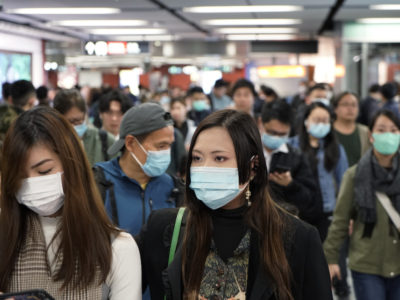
(370, 137)
(130, 143)
(254, 166)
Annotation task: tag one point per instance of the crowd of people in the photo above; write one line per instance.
(181, 194)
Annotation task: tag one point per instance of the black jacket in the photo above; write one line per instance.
(303, 191)
(302, 246)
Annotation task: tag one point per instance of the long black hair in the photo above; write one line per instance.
(330, 144)
(263, 216)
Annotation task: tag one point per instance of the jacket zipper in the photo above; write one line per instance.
(151, 205)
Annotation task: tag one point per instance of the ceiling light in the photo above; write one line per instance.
(88, 23)
(65, 11)
(259, 37)
(385, 7)
(239, 22)
(242, 8)
(129, 31)
(145, 38)
(257, 30)
(379, 20)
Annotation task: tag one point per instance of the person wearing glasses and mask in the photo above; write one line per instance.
(95, 141)
(235, 242)
(54, 230)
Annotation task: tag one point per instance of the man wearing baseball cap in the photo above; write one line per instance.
(135, 183)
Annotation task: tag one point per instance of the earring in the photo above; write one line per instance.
(248, 195)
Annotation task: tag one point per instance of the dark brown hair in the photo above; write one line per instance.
(263, 216)
(85, 231)
(67, 99)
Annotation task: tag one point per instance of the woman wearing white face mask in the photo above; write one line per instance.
(374, 242)
(58, 235)
(235, 243)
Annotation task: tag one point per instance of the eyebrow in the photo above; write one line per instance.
(213, 152)
(41, 163)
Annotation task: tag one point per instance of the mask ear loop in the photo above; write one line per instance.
(134, 156)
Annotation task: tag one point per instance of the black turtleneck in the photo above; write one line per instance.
(229, 229)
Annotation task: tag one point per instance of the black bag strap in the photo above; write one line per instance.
(104, 147)
(178, 192)
(103, 185)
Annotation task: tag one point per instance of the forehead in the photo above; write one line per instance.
(276, 125)
(384, 121)
(213, 139)
(348, 98)
(198, 95)
(162, 134)
(115, 105)
(74, 112)
(39, 152)
(178, 105)
(319, 93)
(243, 90)
(319, 113)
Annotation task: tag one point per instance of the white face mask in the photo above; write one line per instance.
(43, 194)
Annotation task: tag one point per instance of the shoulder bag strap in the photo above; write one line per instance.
(175, 235)
(390, 210)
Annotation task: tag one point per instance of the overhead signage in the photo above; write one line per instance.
(103, 48)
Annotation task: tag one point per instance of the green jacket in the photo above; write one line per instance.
(93, 146)
(378, 255)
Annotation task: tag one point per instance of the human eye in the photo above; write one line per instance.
(196, 158)
(220, 158)
(45, 171)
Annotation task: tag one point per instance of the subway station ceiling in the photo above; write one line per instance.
(152, 20)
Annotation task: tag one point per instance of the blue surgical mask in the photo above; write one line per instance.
(81, 129)
(324, 101)
(200, 105)
(273, 142)
(215, 187)
(165, 100)
(319, 130)
(157, 162)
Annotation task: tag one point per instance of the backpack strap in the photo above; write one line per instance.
(104, 147)
(178, 192)
(103, 185)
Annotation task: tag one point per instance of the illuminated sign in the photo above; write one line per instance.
(102, 48)
(340, 71)
(281, 72)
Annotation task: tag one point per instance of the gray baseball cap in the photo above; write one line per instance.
(139, 120)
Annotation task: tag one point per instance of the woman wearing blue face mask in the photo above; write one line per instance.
(235, 243)
(54, 230)
(326, 156)
(95, 141)
(366, 190)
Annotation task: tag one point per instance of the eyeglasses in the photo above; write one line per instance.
(345, 104)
